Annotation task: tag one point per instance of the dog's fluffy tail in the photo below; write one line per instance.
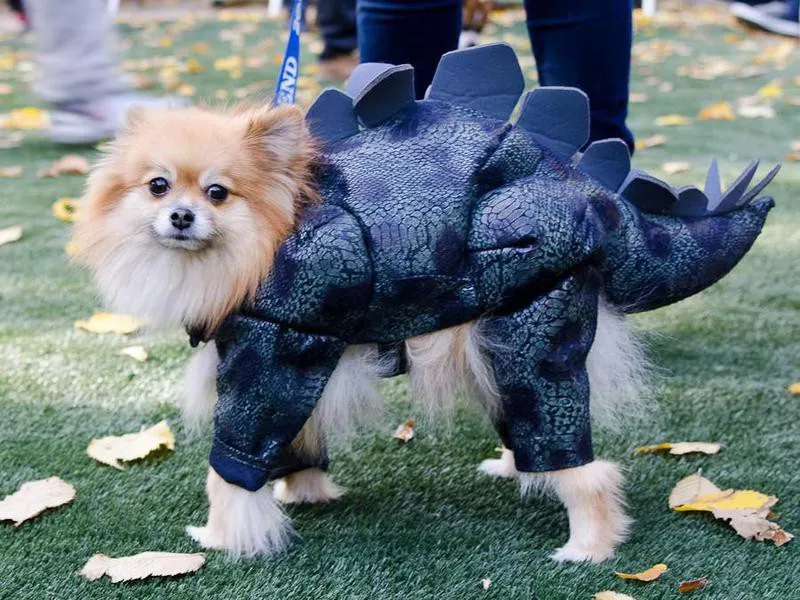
(200, 388)
(617, 371)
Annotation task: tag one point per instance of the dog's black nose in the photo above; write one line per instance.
(182, 218)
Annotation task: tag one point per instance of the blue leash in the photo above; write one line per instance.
(290, 69)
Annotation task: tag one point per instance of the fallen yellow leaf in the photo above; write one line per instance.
(720, 111)
(671, 168)
(28, 117)
(672, 120)
(650, 142)
(738, 499)
(34, 497)
(185, 89)
(194, 67)
(679, 448)
(12, 171)
(131, 446)
(65, 209)
(141, 566)
(10, 234)
(165, 42)
(137, 353)
(692, 585)
(650, 574)
(794, 389)
(771, 90)
(793, 156)
(201, 48)
(69, 164)
(690, 488)
(609, 595)
(405, 432)
(103, 322)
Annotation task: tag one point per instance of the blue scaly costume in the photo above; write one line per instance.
(438, 212)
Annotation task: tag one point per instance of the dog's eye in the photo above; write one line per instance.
(217, 193)
(159, 186)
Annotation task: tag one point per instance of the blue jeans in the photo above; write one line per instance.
(336, 20)
(578, 43)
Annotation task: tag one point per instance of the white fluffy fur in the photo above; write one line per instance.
(142, 278)
(244, 523)
(617, 371)
(310, 486)
(594, 499)
(500, 467)
(199, 394)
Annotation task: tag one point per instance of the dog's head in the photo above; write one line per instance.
(182, 218)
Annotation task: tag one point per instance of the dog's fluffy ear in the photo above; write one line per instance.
(281, 132)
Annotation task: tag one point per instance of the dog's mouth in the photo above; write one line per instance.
(182, 241)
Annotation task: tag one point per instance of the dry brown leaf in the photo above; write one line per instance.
(34, 497)
(672, 120)
(794, 389)
(141, 566)
(650, 574)
(6, 89)
(405, 432)
(719, 111)
(137, 353)
(692, 585)
(13, 171)
(10, 234)
(679, 166)
(65, 209)
(131, 446)
(650, 142)
(690, 488)
(679, 448)
(69, 164)
(611, 595)
(793, 156)
(103, 322)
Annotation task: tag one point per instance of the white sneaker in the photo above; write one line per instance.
(777, 17)
(98, 119)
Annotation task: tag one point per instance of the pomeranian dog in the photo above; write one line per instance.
(180, 224)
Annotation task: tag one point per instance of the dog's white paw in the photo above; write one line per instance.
(206, 538)
(575, 553)
(500, 467)
(310, 486)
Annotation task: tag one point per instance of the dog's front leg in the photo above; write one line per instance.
(244, 523)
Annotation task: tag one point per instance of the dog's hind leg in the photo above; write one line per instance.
(311, 485)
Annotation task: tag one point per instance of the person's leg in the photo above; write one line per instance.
(587, 44)
(416, 32)
(73, 44)
(336, 20)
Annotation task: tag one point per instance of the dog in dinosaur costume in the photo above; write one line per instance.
(382, 235)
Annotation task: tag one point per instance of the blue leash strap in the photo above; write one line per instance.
(290, 69)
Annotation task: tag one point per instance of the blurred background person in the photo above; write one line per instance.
(336, 21)
(578, 43)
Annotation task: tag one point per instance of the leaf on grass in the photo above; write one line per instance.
(28, 117)
(6, 89)
(793, 156)
(650, 574)
(405, 432)
(10, 140)
(131, 446)
(611, 595)
(69, 164)
(679, 448)
(10, 234)
(201, 48)
(141, 566)
(194, 66)
(794, 389)
(772, 90)
(486, 583)
(658, 139)
(679, 166)
(103, 322)
(65, 209)
(672, 120)
(719, 111)
(747, 511)
(34, 497)
(186, 90)
(13, 171)
(756, 111)
(692, 585)
(637, 97)
(137, 353)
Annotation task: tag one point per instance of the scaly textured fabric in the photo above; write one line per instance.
(438, 215)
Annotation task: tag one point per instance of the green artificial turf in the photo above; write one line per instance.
(418, 521)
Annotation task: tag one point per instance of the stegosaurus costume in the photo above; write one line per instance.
(438, 212)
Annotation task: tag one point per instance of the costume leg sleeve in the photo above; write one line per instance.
(539, 355)
(269, 380)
